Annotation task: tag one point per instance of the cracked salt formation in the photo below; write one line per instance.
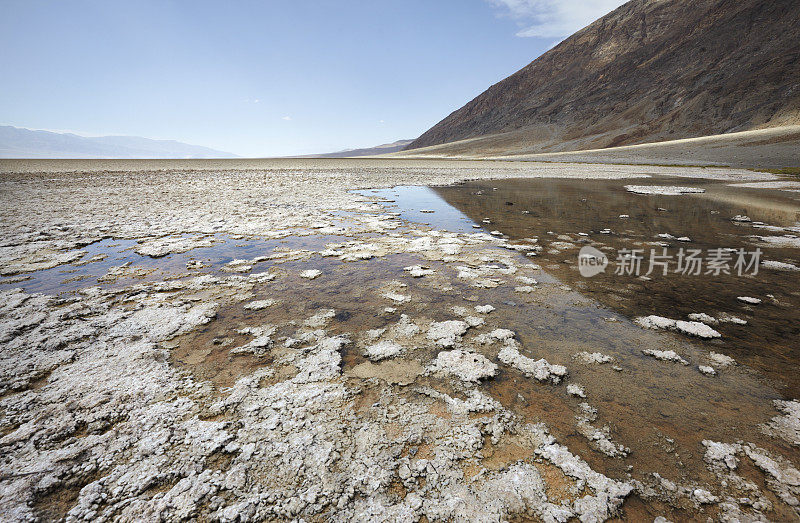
(393, 291)
(667, 236)
(105, 414)
(238, 266)
(598, 438)
(703, 318)
(466, 366)
(123, 271)
(159, 247)
(727, 318)
(259, 305)
(786, 426)
(320, 319)
(707, 370)
(590, 358)
(258, 346)
(447, 333)
(749, 300)
(573, 389)
(18, 259)
(779, 266)
(721, 360)
(785, 242)
(501, 334)
(383, 350)
(540, 369)
(664, 190)
(665, 355)
(484, 309)
(692, 328)
(418, 271)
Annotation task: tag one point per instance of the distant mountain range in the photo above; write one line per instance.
(651, 70)
(366, 151)
(25, 143)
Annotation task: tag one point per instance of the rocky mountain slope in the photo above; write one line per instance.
(651, 70)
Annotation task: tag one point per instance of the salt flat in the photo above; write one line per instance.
(275, 346)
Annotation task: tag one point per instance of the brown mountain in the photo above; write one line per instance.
(385, 148)
(651, 70)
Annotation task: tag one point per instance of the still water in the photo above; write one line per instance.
(561, 216)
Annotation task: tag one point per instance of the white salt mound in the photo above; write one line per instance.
(692, 328)
(721, 360)
(593, 357)
(665, 355)
(259, 305)
(779, 266)
(573, 389)
(665, 190)
(540, 369)
(708, 371)
(383, 350)
(447, 333)
(467, 366)
(483, 309)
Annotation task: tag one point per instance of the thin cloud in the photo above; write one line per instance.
(287, 118)
(554, 18)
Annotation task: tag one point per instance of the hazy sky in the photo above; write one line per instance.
(266, 78)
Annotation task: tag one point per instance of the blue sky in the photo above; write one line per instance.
(266, 78)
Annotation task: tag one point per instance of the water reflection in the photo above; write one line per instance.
(566, 214)
(110, 254)
(422, 205)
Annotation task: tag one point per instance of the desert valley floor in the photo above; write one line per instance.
(291, 339)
